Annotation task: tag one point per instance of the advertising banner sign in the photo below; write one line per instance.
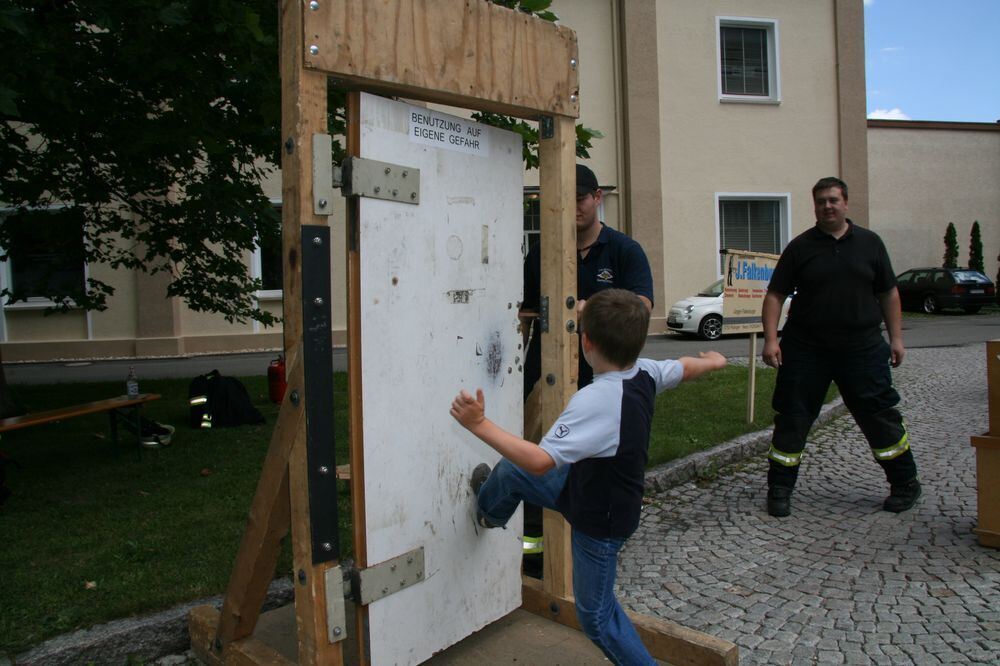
(743, 289)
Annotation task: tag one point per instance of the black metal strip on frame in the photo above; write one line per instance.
(318, 369)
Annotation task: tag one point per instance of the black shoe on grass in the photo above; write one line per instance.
(902, 497)
(779, 501)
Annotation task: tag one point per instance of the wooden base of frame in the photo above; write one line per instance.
(544, 628)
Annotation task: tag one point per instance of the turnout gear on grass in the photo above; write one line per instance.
(219, 402)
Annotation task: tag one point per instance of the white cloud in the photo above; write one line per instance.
(888, 114)
(869, 3)
(891, 49)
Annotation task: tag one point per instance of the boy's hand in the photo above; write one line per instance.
(717, 360)
(467, 410)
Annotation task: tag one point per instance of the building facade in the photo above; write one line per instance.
(717, 117)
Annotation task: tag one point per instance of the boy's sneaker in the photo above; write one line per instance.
(779, 501)
(902, 497)
(479, 476)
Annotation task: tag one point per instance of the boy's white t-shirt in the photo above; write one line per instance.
(590, 425)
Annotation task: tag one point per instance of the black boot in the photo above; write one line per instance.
(779, 501)
(902, 497)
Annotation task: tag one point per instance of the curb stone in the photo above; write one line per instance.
(149, 637)
(702, 463)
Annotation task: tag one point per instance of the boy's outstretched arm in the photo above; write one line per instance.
(706, 362)
(471, 413)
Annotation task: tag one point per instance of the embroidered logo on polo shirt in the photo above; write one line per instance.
(561, 431)
(605, 275)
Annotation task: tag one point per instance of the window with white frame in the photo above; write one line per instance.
(748, 60)
(752, 222)
(46, 255)
(268, 264)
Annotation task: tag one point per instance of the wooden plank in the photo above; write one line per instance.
(303, 114)
(354, 332)
(665, 640)
(993, 384)
(203, 626)
(267, 523)
(557, 177)
(96, 407)
(988, 489)
(468, 53)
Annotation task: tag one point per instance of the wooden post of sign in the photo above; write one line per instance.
(467, 53)
(752, 383)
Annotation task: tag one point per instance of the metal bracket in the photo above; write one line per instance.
(543, 315)
(548, 127)
(317, 360)
(325, 174)
(358, 177)
(391, 576)
(336, 615)
(380, 180)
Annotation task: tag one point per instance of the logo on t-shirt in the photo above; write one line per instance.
(561, 431)
(605, 275)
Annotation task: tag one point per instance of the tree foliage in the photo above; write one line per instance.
(976, 248)
(148, 126)
(950, 247)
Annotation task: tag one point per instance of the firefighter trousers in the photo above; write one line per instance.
(864, 379)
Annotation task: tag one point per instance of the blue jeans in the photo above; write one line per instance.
(595, 561)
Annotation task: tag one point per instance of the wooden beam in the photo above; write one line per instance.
(303, 114)
(203, 624)
(557, 179)
(357, 444)
(666, 641)
(267, 524)
(468, 53)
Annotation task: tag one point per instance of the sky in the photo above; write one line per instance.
(933, 59)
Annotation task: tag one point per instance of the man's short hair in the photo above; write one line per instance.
(827, 183)
(616, 321)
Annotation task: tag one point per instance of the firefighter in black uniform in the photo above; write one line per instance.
(844, 288)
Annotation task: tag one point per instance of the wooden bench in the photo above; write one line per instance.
(120, 407)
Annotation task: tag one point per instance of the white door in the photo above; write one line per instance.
(440, 284)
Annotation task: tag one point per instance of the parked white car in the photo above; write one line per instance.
(701, 315)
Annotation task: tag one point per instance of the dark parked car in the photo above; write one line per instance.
(933, 289)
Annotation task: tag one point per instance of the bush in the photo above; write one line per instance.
(950, 247)
(976, 248)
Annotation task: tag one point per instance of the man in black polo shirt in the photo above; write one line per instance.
(844, 288)
(605, 258)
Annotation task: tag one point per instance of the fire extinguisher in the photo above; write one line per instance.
(276, 380)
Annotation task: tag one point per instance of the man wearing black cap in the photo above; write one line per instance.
(605, 258)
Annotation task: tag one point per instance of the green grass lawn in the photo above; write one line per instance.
(96, 531)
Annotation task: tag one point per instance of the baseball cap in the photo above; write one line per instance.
(586, 181)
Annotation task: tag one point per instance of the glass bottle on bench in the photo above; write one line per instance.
(131, 383)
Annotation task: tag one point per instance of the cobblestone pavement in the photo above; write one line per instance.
(839, 581)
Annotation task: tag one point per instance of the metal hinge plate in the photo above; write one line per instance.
(390, 576)
(336, 615)
(358, 177)
(380, 180)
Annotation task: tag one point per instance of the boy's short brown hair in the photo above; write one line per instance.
(616, 321)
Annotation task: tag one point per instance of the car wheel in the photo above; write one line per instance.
(710, 327)
(930, 304)
(971, 309)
